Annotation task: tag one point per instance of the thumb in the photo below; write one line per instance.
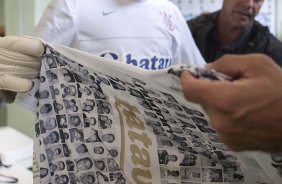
(16, 84)
(232, 65)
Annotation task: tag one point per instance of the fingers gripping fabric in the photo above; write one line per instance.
(25, 45)
(12, 83)
(19, 62)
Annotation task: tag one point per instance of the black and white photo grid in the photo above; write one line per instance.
(99, 121)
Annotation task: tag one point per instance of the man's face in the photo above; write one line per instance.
(81, 148)
(75, 120)
(89, 102)
(78, 135)
(70, 90)
(88, 179)
(113, 152)
(190, 162)
(53, 137)
(100, 165)
(172, 158)
(85, 90)
(58, 166)
(43, 171)
(44, 94)
(59, 106)
(62, 179)
(50, 123)
(98, 150)
(84, 164)
(241, 13)
(214, 176)
(45, 109)
(87, 107)
(63, 121)
(108, 138)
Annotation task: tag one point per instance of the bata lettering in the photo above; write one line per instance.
(153, 63)
(139, 142)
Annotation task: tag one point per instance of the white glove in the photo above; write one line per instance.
(19, 62)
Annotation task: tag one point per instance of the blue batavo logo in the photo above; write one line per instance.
(153, 63)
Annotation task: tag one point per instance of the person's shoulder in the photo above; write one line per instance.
(58, 6)
(68, 5)
(258, 27)
(205, 21)
(168, 7)
(59, 3)
(165, 4)
(261, 32)
(204, 17)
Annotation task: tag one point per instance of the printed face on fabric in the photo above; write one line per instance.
(57, 166)
(93, 119)
(277, 162)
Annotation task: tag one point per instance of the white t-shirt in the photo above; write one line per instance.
(151, 34)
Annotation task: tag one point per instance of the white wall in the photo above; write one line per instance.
(279, 19)
(22, 15)
(1, 12)
(16, 16)
(40, 5)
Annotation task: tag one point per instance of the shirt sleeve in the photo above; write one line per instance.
(186, 51)
(58, 23)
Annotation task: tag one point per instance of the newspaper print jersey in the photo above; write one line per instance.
(93, 127)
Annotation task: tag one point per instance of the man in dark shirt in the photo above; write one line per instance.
(234, 30)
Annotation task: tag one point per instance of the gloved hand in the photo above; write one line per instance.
(19, 63)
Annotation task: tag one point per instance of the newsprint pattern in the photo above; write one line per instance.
(101, 123)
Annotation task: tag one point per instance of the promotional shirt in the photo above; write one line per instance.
(151, 34)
